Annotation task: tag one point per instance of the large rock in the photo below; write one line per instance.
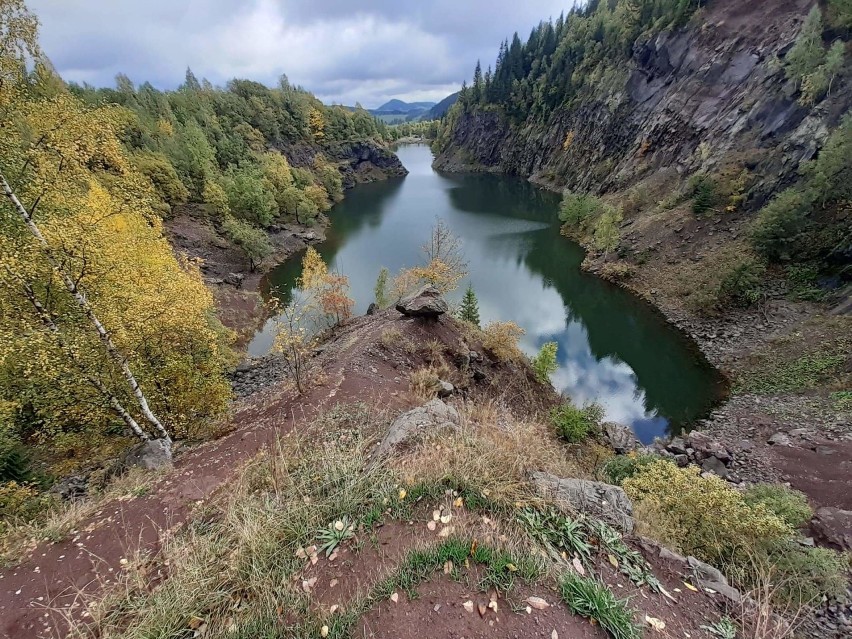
(833, 527)
(427, 302)
(606, 502)
(705, 446)
(621, 438)
(412, 426)
(151, 455)
(709, 577)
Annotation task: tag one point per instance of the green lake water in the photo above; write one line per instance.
(613, 348)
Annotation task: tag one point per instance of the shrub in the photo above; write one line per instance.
(705, 196)
(622, 467)
(252, 241)
(22, 503)
(616, 271)
(501, 339)
(805, 575)
(791, 506)
(576, 424)
(781, 225)
(740, 285)
(578, 211)
(704, 516)
(544, 364)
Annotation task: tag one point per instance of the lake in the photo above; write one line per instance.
(613, 348)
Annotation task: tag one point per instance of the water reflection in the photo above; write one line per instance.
(612, 348)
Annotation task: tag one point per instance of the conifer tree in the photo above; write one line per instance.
(469, 309)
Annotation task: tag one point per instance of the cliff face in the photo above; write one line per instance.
(691, 98)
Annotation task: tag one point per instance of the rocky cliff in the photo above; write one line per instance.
(692, 98)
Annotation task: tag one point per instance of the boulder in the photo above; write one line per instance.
(779, 439)
(705, 446)
(833, 527)
(151, 455)
(412, 426)
(235, 279)
(621, 438)
(709, 577)
(445, 389)
(604, 501)
(714, 465)
(427, 302)
(372, 308)
(71, 488)
(677, 446)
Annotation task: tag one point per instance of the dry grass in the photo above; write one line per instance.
(20, 540)
(393, 339)
(493, 453)
(424, 382)
(501, 339)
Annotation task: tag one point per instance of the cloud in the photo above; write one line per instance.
(345, 52)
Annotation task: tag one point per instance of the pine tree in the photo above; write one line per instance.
(477, 88)
(469, 309)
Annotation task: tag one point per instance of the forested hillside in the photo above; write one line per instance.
(677, 113)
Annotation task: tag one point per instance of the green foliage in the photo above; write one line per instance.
(607, 234)
(840, 14)
(381, 289)
(725, 628)
(808, 52)
(805, 575)
(705, 197)
(782, 225)
(740, 285)
(791, 506)
(579, 211)
(22, 502)
(808, 371)
(306, 212)
(550, 527)
(216, 198)
(157, 168)
(622, 467)
(252, 241)
(544, 363)
(335, 534)
(592, 599)
(576, 424)
(803, 282)
(703, 516)
(331, 180)
(250, 197)
(469, 308)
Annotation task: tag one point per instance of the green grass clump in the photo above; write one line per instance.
(805, 575)
(591, 598)
(622, 467)
(576, 424)
(803, 373)
(789, 505)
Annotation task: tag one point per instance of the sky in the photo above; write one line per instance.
(344, 51)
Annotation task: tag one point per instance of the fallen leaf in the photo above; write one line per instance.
(554, 634)
(482, 609)
(613, 560)
(578, 567)
(468, 605)
(448, 567)
(324, 631)
(333, 583)
(657, 624)
(511, 568)
(690, 586)
(394, 597)
(431, 525)
(473, 546)
(436, 515)
(458, 502)
(339, 525)
(537, 602)
(332, 556)
(307, 584)
(333, 609)
(493, 605)
(402, 493)
(446, 531)
(445, 519)
(667, 594)
(529, 610)
(437, 607)
(300, 553)
(195, 622)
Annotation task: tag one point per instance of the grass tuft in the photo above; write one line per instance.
(591, 598)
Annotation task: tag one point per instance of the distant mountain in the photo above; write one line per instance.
(440, 110)
(395, 105)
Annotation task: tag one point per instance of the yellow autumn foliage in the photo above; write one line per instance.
(98, 214)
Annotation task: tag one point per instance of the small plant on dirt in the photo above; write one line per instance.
(544, 364)
(630, 562)
(556, 531)
(592, 599)
(335, 534)
(576, 424)
(725, 628)
(621, 467)
(804, 576)
(789, 505)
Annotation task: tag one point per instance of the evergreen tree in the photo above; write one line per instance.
(469, 309)
(478, 86)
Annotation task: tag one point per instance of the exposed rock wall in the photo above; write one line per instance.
(721, 84)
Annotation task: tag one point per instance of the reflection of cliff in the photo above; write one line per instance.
(507, 196)
(619, 325)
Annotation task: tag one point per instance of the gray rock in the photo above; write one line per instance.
(621, 438)
(235, 279)
(71, 488)
(833, 527)
(709, 577)
(714, 465)
(677, 446)
(779, 439)
(413, 425)
(445, 389)
(681, 460)
(609, 503)
(151, 454)
(372, 308)
(705, 446)
(427, 302)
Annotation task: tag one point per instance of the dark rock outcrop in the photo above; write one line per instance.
(427, 302)
(150, 455)
(364, 161)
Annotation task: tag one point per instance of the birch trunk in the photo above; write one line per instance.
(80, 298)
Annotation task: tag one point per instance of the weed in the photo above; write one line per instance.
(576, 424)
(621, 467)
(725, 628)
(556, 531)
(501, 339)
(590, 598)
(807, 371)
(789, 505)
(544, 364)
(335, 534)
(392, 338)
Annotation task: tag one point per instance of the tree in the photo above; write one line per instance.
(469, 309)
(607, 234)
(295, 343)
(380, 290)
(252, 241)
(544, 364)
(808, 52)
(477, 90)
(327, 303)
(250, 196)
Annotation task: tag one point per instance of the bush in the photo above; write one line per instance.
(787, 504)
(705, 196)
(704, 516)
(22, 503)
(252, 241)
(578, 211)
(616, 271)
(781, 225)
(740, 285)
(544, 364)
(622, 467)
(250, 196)
(501, 339)
(216, 198)
(805, 575)
(576, 424)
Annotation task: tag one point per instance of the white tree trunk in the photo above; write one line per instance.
(80, 298)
